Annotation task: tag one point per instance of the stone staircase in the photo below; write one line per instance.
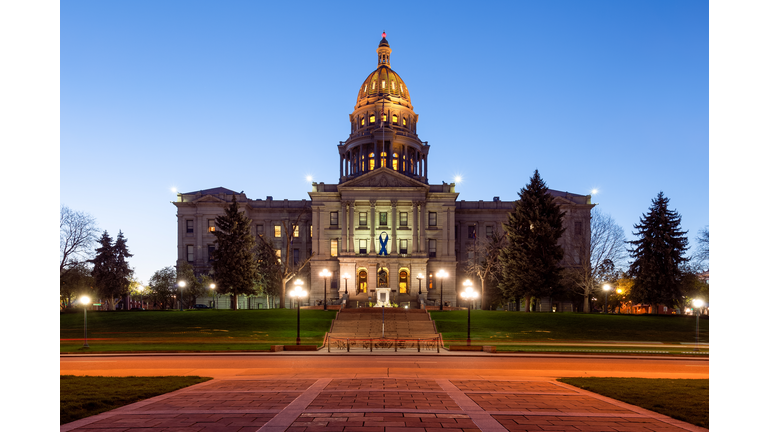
(395, 328)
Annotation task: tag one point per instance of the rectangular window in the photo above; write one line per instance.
(259, 229)
(433, 219)
(363, 219)
(383, 219)
(432, 248)
(577, 228)
(334, 218)
(211, 225)
(471, 232)
(310, 231)
(403, 246)
(334, 247)
(211, 249)
(278, 231)
(403, 219)
(190, 226)
(363, 244)
(296, 257)
(489, 231)
(296, 231)
(190, 253)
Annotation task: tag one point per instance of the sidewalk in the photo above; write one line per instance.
(377, 404)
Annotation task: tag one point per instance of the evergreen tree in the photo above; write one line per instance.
(531, 259)
(658, 256)
(234, 263)
(123, 271)
(103, 269)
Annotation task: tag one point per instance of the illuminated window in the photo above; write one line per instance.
(296, 231)
(432, 218)
(334, 218)
(404, 122)
(394, 118)
(383, 84)
(366, 88)
(372, 119)
(373, 85)
(211, 225)
(394, 161)
(363, 219)
(310, 231)
(363, 246)
(278, 231)
(401, 88)
(362, 281)
(383, 117)
(362, 121)
(403, 281)
(372, 161)
(383, 159)
(393, 85)
(334, 247)
(190, 253)
(278, 253)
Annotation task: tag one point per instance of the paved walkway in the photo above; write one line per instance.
(250, 404)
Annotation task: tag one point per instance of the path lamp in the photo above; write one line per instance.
(182, 284)
(606, 288)
(468, 294)
(84, 300)
(297, 293)
(345, 277)
(420, 277)
(441, 275)
(698, 303)
(325, 274)
(213, 287)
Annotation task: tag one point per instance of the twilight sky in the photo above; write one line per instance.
(255, 96)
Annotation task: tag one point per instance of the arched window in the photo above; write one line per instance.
(362, 282)
(394, 118)
(404, 124)
(362, 121)
(394, 161)
(371, 162)
(372, 119)
(383, 159)
(403, 282)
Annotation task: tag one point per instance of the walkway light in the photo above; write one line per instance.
(697, 303)
(441, 275)
(469, 294)
(84, 300)
(345, 276)
(325, 274)
(213, 287)
(606, 288)
(420, 277)
(181, 284)
(297, 293)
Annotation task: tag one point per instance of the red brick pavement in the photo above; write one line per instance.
(377, 405)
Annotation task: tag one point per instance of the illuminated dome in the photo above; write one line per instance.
(383, 82)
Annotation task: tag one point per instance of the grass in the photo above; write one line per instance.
(84, 396)
(192, 330)
(682, 399)
(509, 328)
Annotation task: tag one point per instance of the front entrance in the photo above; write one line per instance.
(382, 297)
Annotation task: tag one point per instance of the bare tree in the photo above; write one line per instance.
(701, 257)
(485, 263)
(607, 250)
(77, 235)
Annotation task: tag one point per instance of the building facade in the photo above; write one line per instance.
(383, 231)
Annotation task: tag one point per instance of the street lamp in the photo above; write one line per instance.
(468, 294)
(297, 293)
(182, 284)
(618, 293)
(420, 277)
(441, 275)
(698, 303)
(606, 288)
(345, 277)
(325, 274)
(213, 287)
(85, 300)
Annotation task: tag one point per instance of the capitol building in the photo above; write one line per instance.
(383, 223)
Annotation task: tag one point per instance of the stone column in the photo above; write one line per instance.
(372, 221)
(351, 246)
(415, 227)
(452, 231)
(423, 226)
(395, 248)
(447, 232)
(343, 246)
(316, 232)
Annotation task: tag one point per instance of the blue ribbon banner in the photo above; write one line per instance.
(383, 239)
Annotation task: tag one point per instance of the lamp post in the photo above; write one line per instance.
(698, 303)
(297, 293)
(606, 288)
(85, 300)
(441, 275)
(182, 284)
(140, 289)
(468, 294)
(420, 277)
(618, 293)
(213, 287)
(325, 274)
(345, 277)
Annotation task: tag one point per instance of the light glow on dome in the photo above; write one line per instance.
(383, 34)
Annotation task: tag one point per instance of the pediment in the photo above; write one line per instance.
(383, 178)
(208, 198)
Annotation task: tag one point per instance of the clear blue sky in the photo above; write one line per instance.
(254, 96)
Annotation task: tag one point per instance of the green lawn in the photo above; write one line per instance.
(192, 330)
(682, 399)
(82, 397)
(506, 328)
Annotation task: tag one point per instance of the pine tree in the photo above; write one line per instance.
(234, 263)
(103, 269)
(531, 259)
(123, 271)
(658, 254)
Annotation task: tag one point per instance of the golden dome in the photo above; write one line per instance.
(383, 82)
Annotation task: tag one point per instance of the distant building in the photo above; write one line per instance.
(383, 223)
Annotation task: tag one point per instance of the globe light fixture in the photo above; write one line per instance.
(325, 274)
(606, 288)
(697, 304)
(181, 284)
(85, 300)
(469, 294)
(215, 294)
